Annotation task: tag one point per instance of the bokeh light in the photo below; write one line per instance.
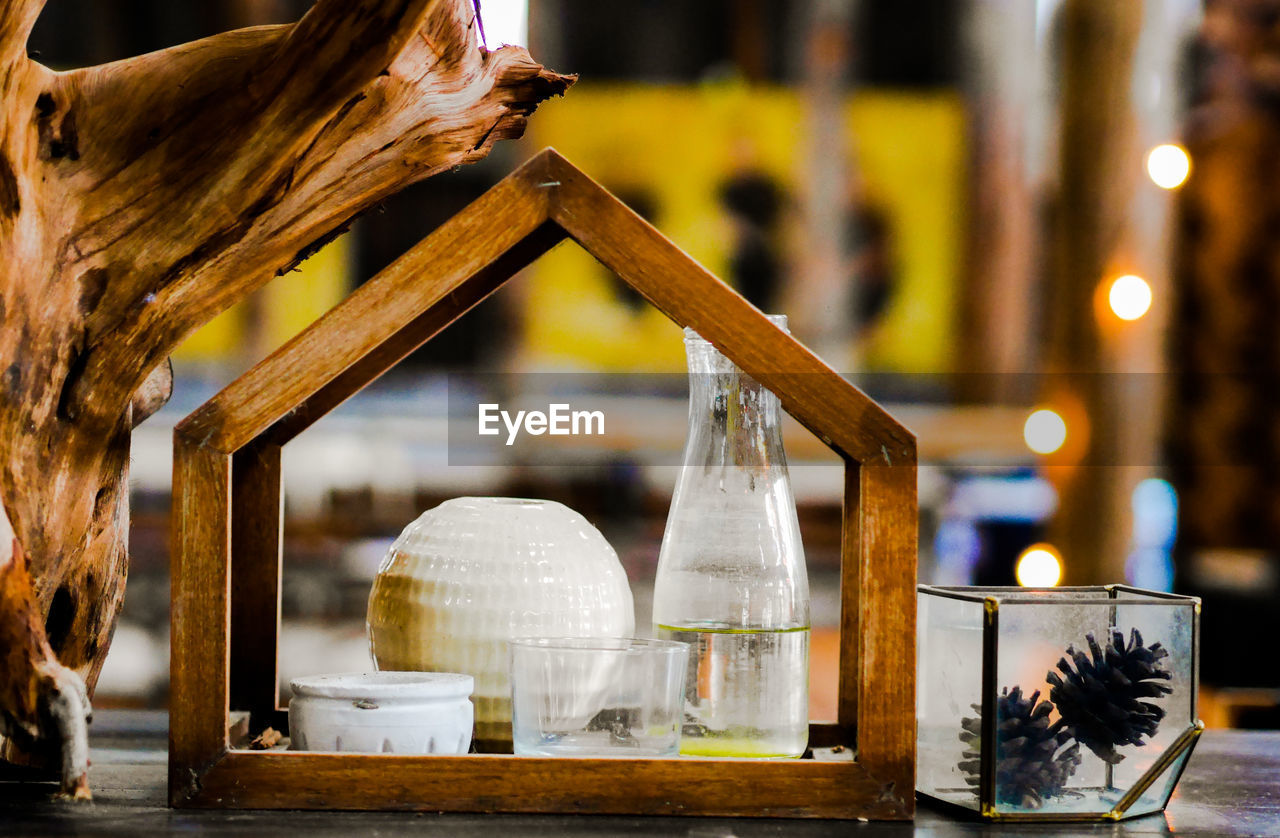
(1044, 431)
(1039, 566)
(505, 22)
(1169, 165)
(1155, 528)
(1129, 297)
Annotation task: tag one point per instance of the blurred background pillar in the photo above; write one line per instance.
(823, 291)
(1110, 286)
(1099, 167)
(1224, 431)
(1003, 82)
(751, 45)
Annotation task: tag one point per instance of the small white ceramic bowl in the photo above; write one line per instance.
(382, 712)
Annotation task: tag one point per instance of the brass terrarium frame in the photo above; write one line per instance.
(227, 542)
(991, 599)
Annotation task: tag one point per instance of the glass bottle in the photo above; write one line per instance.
(731, 578)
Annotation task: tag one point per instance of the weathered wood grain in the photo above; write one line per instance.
(139, 199)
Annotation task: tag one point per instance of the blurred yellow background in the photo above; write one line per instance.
(908, 151)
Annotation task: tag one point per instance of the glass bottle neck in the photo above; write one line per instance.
(733, 419)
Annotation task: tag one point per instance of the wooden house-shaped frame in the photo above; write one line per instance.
(227, 543)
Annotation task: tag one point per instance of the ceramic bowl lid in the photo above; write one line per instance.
(385, 686)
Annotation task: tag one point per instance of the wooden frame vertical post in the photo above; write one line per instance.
(200, 607)
(256, 542)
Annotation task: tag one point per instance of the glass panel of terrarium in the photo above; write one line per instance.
(949, 687)
(1046, 767)
(1156, 634)
(1157, 795)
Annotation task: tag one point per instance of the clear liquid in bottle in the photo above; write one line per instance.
(746, 692)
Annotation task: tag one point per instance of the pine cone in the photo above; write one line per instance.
(1032, 764)
(1103, 701)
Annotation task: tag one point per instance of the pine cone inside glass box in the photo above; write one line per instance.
(1033, 758)
(1106, 700)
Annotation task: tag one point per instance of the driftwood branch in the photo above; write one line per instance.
(17, 17)
(139, 199)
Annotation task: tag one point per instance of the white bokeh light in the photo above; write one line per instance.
(1129, 297)
(1169, 165)
(1044, 431)
(505, 22)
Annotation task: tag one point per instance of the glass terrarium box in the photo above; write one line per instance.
(1055, 704)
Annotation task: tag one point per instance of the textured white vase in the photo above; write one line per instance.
(473, 573)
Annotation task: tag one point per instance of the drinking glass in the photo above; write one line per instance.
(610, 697)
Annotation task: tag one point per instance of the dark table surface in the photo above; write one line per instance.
(1231, 787)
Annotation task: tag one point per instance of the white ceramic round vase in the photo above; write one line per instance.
(382, 713)
(473, 573)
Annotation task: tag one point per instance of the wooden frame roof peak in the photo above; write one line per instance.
(473, 254)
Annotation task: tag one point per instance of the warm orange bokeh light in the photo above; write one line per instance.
(1129, 297)
(1039, 566)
